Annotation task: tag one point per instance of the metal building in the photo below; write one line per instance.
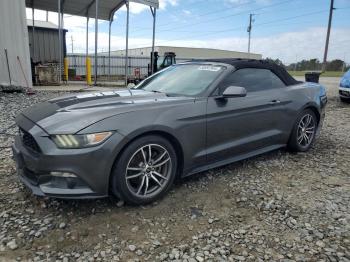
(139, 58)
(14, 51)
(45, 47)
(188, 52)
(104, 10)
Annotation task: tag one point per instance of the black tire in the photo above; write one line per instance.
(296, 146)
(126, 189)
(345, 100)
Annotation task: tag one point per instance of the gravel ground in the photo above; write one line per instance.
(275, 207)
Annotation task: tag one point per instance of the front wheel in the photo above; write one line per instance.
(145, 171)
(304, 132)
(345, 100)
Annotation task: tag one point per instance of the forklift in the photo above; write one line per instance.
(168, 60)
(158, 64)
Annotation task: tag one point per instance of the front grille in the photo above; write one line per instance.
(29, 141)
(344, 93)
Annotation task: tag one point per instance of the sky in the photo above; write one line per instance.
(290, 30)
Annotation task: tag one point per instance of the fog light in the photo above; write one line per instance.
(62, 174)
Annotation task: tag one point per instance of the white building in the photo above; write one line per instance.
(14, 45)
(187, 52)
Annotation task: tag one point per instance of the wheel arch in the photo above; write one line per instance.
(315, 109)
(158, 132)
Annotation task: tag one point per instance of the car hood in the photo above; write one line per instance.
(72, 113)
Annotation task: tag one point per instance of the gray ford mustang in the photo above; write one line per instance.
(183, 120)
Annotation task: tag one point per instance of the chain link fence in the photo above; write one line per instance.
(77, 65)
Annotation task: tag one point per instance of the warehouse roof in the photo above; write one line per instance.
(106, 8)
(42, 24)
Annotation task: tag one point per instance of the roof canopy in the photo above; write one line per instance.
(106, 8)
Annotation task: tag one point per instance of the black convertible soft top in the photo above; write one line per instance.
(253, 63)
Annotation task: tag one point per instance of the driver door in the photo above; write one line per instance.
(238, 126)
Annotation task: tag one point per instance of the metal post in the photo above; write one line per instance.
(127, 42)
(87, 36)
(33, 32)
(8, 67)
(109, 48)
(87, 59)
(47, 16)
(154, 12)
(59, 42)
(327, 38)
(64, 59)
(96, 40)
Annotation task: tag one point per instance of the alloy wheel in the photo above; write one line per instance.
(306, 130)
(148, 171)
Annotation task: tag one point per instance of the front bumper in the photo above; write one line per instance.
(344, 92)
(91, 166)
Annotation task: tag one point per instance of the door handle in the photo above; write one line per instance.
(274, 102)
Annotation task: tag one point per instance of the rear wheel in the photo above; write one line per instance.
(145, 171)
(304, 132)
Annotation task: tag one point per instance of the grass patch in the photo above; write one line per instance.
(325, 74)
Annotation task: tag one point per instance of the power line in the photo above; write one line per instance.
(224, 17)
(203, 14)
(191, 31)
(261, 24)
(292, 17)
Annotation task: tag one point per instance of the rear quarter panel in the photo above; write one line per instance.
(302, 96)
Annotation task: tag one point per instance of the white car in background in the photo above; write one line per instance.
(344, 87)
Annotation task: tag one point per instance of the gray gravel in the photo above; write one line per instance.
(275, 207)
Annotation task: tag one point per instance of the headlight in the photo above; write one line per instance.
(80, 141)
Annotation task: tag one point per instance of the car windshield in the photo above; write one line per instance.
(185, 79)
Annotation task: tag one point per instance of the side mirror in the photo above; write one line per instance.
(234, 91)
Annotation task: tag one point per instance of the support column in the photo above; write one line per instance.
(127, 43)
(59, 43)
(109, 48)
(64, 62)
(154, 12)
(87, 58)
(96, 40)
(87, 36)
(33, 32)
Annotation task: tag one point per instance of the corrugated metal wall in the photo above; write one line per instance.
(46, 45)
(14, 38)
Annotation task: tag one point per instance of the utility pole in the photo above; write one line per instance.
(72, 44)
(249, 30)
(328, 33)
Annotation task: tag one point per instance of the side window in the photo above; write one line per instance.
(276, 82)
(253, 79)
(168, 61)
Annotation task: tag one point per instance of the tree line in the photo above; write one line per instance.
(313, 64)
